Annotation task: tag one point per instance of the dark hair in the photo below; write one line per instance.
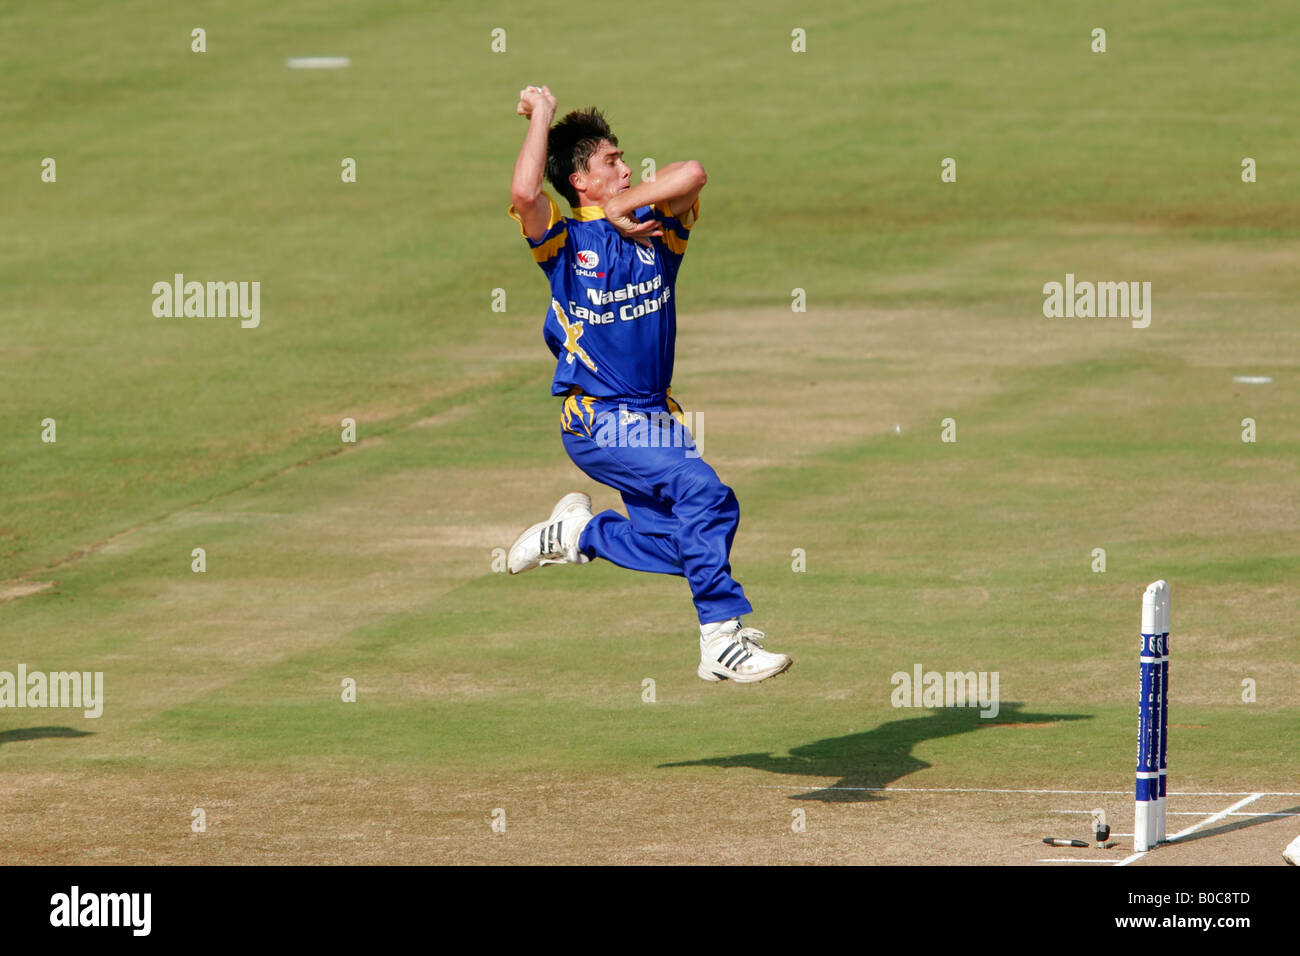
(570, 145)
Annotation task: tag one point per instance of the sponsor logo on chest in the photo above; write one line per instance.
(587, 264)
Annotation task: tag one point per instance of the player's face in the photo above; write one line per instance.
(607, 174)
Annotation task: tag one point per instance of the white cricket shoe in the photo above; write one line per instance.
(736, 653)
(555, 540)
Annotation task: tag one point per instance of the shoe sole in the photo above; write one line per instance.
(714, 677)
(568, 501)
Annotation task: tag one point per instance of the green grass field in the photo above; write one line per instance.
(373, 561)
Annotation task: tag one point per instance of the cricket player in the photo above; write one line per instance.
(611, 324)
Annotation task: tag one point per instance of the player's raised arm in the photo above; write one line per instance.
(675, 189)
(531, 205)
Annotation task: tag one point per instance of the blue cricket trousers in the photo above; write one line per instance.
(681, 518)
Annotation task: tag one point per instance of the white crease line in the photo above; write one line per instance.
(1128, 792)
(1216, 817)
(1212, 818)
(939, 790)
(1195, 813)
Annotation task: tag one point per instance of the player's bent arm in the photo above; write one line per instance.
(679, 206)
(531, 204)
(675, 188)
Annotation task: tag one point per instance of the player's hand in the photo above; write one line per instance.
(532, 97)
(640, 232)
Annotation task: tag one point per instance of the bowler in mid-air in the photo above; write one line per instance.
(611, 325)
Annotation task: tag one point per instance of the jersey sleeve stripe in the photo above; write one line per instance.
(551, 247)
(675, 243)
(692, 216)
(688, 220)
(553, 216)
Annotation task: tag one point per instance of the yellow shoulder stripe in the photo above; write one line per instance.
(554, 215)
(550, 247)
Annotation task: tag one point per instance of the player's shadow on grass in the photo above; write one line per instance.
(867, 762)
(40, 733)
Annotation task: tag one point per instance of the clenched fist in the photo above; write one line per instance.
(531, 98)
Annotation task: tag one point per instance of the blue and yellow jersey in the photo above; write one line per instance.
(612, 321)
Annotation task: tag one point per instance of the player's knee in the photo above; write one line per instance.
(703, 490)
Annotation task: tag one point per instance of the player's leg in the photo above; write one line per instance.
(708, 516)
(615, 538)
(643, 541)
(681, 520)
(556, 539)
(728, 651)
